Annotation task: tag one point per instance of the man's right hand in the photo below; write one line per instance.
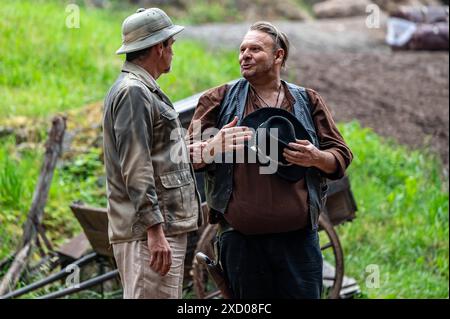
(160, 252)
(230, 138)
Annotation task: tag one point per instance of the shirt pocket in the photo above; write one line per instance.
(178, 195)
(173, 140)
(170, 124)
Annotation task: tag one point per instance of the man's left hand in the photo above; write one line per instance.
(305, 154)
(302, 153)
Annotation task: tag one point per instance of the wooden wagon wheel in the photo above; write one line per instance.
(334, 277)
(205, 289)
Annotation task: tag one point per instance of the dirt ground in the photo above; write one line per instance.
(403, 95)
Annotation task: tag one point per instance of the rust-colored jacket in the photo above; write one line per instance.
(149, 177)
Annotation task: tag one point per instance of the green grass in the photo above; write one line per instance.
(195, 70)
(209, 11)
(77, 179)
(50, 68)
(16, 184)
(402, 219)
(306, 6)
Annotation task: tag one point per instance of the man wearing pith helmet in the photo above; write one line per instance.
(152, 199)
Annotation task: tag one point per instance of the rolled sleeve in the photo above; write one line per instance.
(341, 165)
(133, 138)
(205, 117)
(330, 139)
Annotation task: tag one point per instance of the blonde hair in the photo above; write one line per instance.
(280, 38)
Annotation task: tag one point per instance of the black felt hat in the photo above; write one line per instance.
(276, 128)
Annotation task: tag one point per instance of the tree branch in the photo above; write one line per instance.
(53, 150)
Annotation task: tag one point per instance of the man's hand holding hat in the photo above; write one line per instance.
(304, 153)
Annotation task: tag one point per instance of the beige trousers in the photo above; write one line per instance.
(139, 281)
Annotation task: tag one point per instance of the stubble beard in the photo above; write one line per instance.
(256, 73)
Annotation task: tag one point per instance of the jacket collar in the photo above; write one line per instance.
(141, 74)
(146, 78)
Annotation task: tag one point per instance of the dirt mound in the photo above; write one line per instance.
(403, 95)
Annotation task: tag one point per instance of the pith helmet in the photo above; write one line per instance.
(146, 28)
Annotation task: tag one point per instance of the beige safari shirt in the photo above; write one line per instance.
(149, 177)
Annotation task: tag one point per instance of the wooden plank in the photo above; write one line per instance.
(94, 222)
(75, 247)
(340, 205)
